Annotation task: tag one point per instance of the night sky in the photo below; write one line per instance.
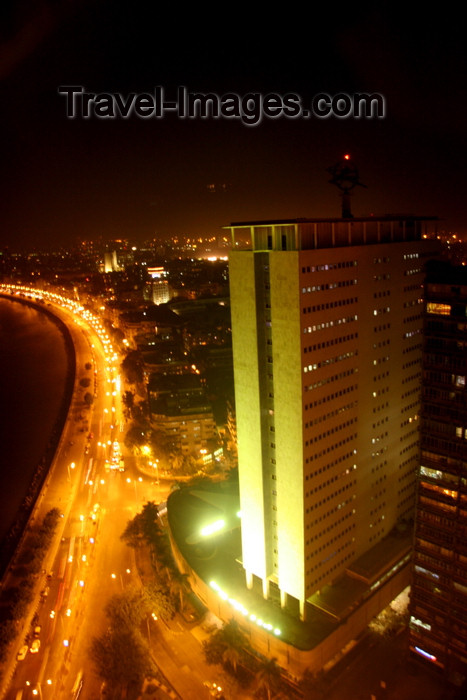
(64, 179)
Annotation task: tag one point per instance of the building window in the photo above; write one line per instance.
(440, 309)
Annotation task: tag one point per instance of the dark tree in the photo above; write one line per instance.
(150, 518)
(128, 609)
(228, 637)
(128, 400)
(268, 678)
(139, 413)
(133, 533)
(179, 588)
(132, 367)
(136, 436)
(121, 657)
(160, 602)
(144, 528)
(162, 445)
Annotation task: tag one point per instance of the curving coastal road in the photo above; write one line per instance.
(87, 562)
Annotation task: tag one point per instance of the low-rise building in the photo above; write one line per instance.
(178, 407)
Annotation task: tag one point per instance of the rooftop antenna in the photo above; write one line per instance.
(344, 175)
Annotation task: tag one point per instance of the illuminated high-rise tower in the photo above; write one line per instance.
(326, 324)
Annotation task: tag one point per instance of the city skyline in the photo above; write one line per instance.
(379, 270)
(133, 199)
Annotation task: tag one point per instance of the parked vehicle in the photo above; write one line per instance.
(21, 655)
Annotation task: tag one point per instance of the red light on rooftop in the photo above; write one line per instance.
(346, 157)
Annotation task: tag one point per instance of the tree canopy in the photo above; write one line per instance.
(268, 678)
(144, 528)
(228, 637)
(121, 655)
(132, 367)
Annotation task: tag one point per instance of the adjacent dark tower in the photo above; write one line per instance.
(438, 623)
(345, 177)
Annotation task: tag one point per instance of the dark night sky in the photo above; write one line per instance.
(63, 179)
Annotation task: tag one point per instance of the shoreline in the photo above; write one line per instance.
(13, 536)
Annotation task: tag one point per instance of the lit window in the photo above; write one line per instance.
(433, 473)
(440, 309)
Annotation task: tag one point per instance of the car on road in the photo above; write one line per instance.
(37, 631)
(78, 686)
(21, 655)
(214, 689)
(35, 646)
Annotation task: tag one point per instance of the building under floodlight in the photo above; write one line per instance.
(327, 348)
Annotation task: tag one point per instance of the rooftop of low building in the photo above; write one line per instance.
(217, 560)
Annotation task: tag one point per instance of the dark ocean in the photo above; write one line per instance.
(33, 366)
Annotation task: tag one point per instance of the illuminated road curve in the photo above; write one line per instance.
(89, 562)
